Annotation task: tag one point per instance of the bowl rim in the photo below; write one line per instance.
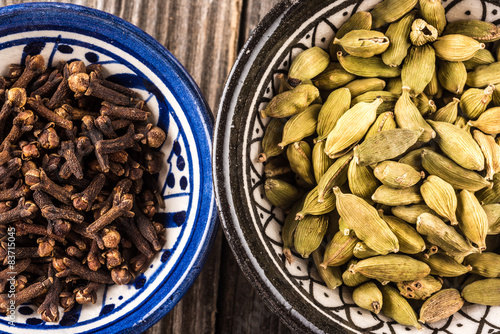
(228, 216)
(189, 91)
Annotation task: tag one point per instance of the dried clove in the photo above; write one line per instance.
(76, 221)
(49, 308)
(50, 187)
(18, 190)
(122, 204)
(34, 65)
(37, 105)
(133, 114)
(83, 201)
(87, 294)
(126, 141)
(23, 211)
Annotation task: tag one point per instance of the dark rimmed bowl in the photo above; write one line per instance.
(252, 226)
(136, 60)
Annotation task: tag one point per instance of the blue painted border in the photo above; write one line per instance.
(113, 30)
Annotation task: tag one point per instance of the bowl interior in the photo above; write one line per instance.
(252, 224)
(133, 59)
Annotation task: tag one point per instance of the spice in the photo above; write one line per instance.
(71, 184)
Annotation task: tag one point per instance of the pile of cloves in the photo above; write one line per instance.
(78, 186)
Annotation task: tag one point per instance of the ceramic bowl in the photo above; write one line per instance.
(136, 60)
(252, 225)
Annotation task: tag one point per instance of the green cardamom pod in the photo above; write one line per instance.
(336, 175)
(473, 221)
(408, 116)
(420, 289)
(484, 292)
(496, 96)
(444, 236)
(332, 276)
(307, 64)
(366, 223)
(398, 33)
(367, 67)
(452, 76)
(351, 128)
(456, 47)
(291, 102)
(395, 86)
(359, 20)
(392, 268)
(424, 105)
(459, 177)
(368, 296)
(488, 122)
(477, 29)
(309, 234)
(484, 75)
(410, 242)
(385, 121)
(313, 207)
(433, 12)
(458, 145)
(486, 264)
(481, 57)
(299, 156)
(272, 137)
(339, 250)
(490, 195)
(418, 68)
(410, 213)
(353, 279)
(335, 76)
(389, 99)
(397, 307)
(448, 113)
(281, 193)
(361, 86)
(362, 183)
(491, 152)
(433, 87)
(414, 159)
(389, 11)
(320, 160)
(385, 145)
(300, 126)
(276, 167)
(493, 214)
(337, 103)
(394, 197)
(440, 306)
(422, 32)
(474, 101)
(288, 230)
(440, 196)
(362, 251)
(444, 265)
(363, 43)
(397, 175)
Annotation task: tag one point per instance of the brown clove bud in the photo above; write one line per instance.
(35, 65)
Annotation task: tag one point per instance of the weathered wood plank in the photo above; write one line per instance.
(240, 308)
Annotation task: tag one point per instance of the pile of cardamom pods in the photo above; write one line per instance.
(384, 155)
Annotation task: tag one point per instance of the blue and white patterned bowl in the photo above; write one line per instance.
(136, 60)
(252, 225)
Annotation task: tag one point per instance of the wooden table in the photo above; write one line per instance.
(205, 36)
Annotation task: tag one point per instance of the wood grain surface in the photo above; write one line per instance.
(205, 36)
